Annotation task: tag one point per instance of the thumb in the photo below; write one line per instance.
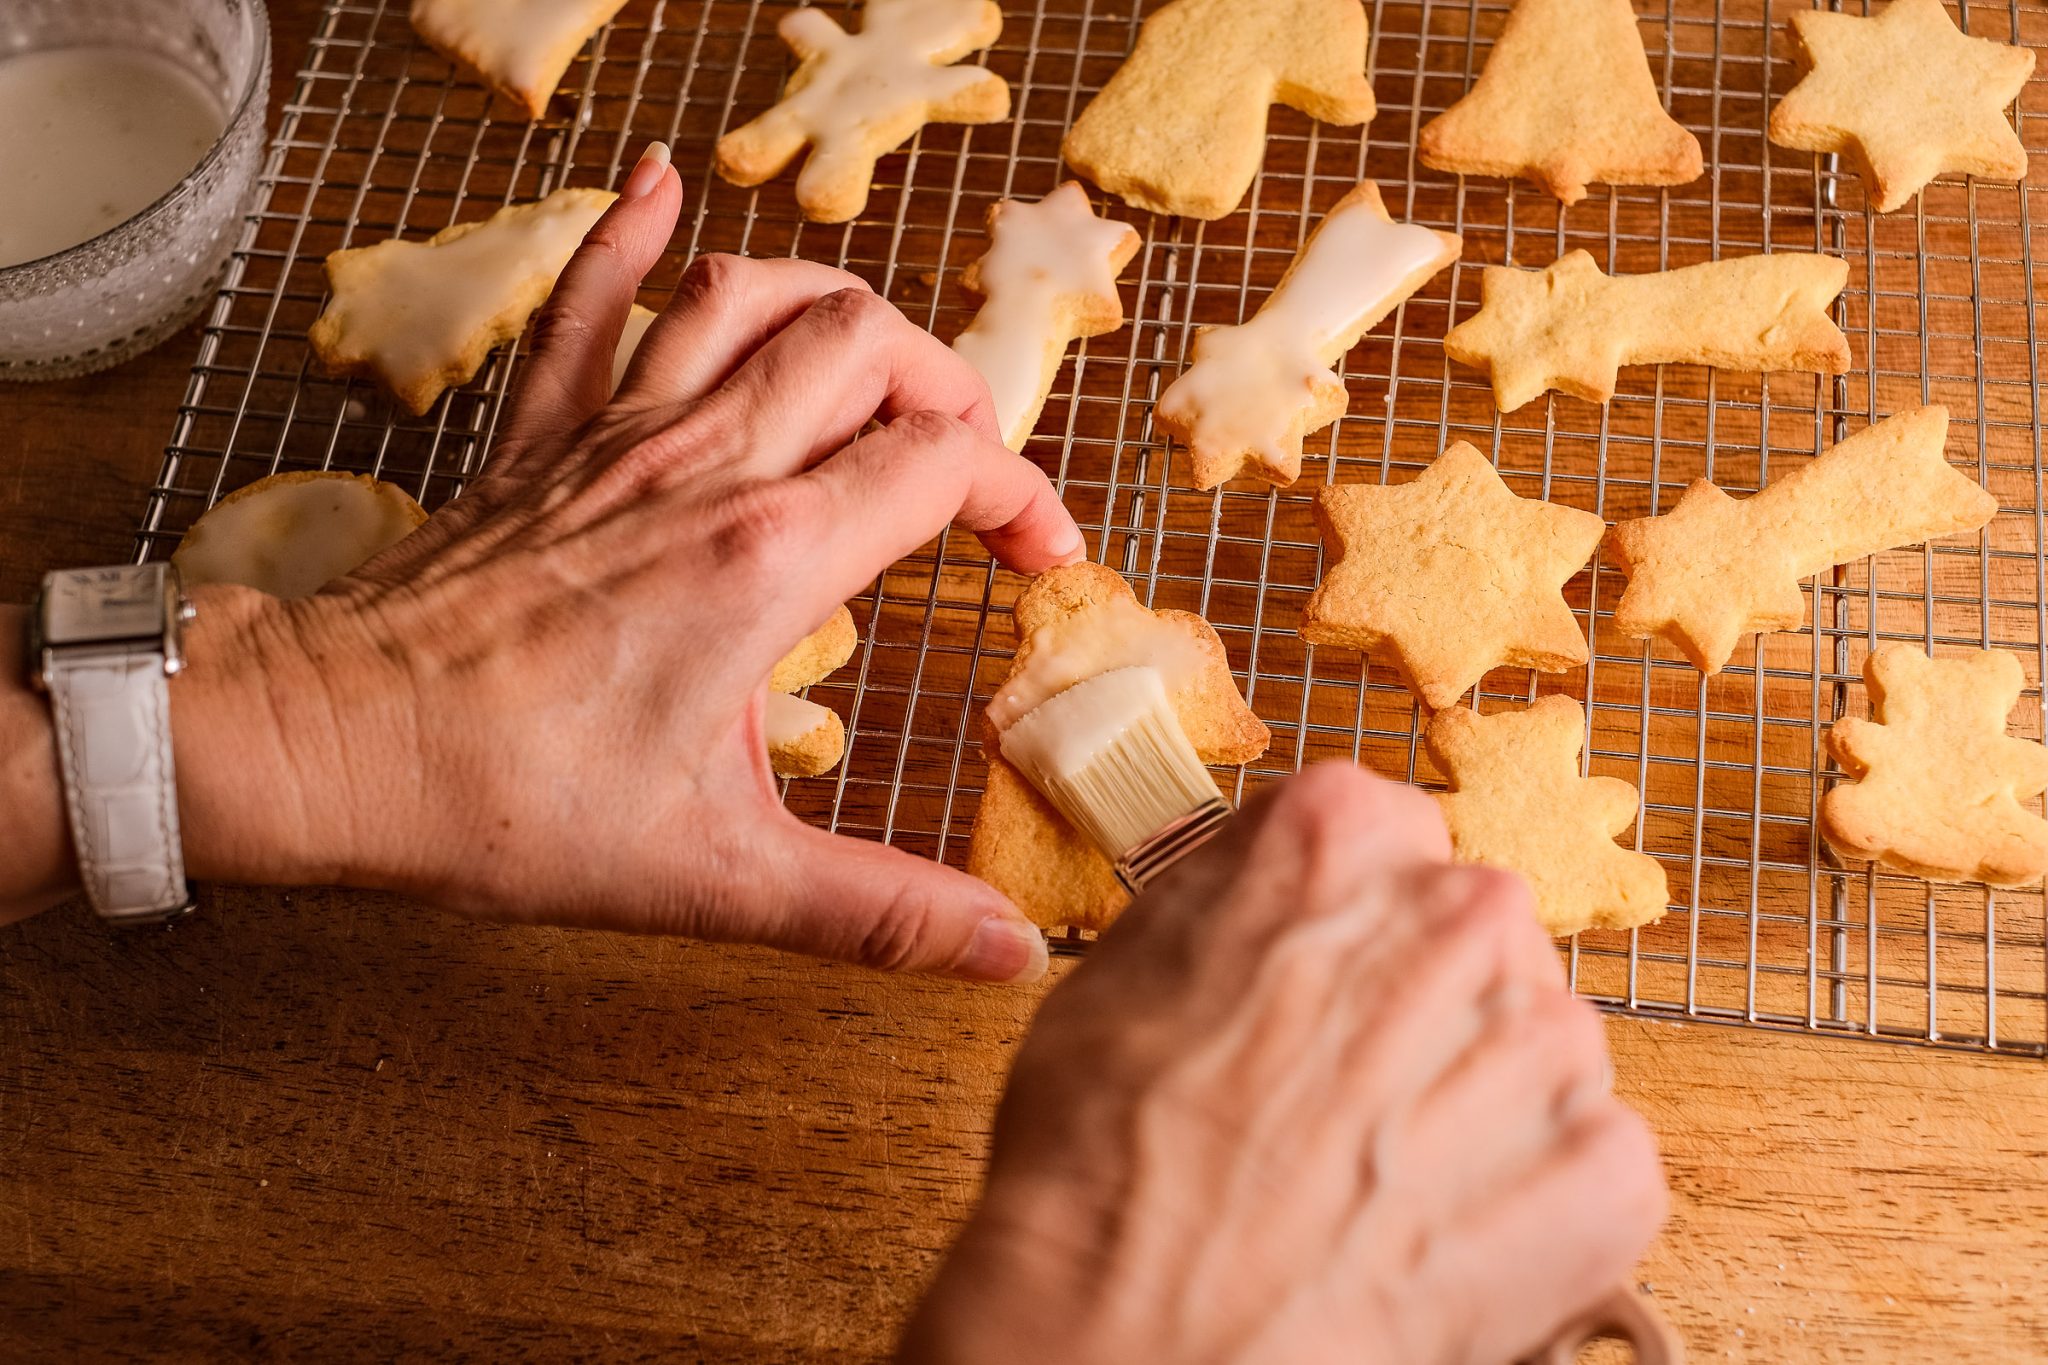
(864, 902)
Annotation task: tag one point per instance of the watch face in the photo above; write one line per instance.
(82, 606)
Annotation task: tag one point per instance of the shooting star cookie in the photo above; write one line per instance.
(856, 97)
(420, 317)
(1254, 391)
(805, 739)
(1565, 99)
(1517, 802)
(1906, 96)
(1571, 328)
(1073, 623)
(1452, 574)
(1936, 784)
(520, 49)
(290, 535)
(1716, 568)
(1049, 278)
(1181, 126)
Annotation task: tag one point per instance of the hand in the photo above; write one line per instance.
(1319, 1097)
(546, 703)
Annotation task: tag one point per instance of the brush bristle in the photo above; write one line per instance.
(1109, 753)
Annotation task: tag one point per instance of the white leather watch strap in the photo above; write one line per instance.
(113, 712)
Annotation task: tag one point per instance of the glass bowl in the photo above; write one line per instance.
(118, 294)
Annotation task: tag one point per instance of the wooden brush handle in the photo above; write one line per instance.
(1627, 1314)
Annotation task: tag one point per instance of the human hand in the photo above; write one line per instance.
(546, 703)
(1319, 1096)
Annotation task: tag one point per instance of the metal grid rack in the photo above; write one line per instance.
(380, 137)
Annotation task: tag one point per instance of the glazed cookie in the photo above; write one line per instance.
(1906, 96)
(637, 321)
(419, 317)
(1073, 623)
(1570, 327)
(290, 535)
(1517, 802)
(1716, 568)
(1451, 574)
(1565, 99)
(519, 48)
(856, 97)
(1049, 278)
(1181, 126)
(805, 739)
(1936, 784)
(1254, 391)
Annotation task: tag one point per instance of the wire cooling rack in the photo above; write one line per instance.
(1764, 929)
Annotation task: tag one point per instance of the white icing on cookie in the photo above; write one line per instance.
(1114, 633)
(1248, 385)
(629, 342)
(292, 534)
(519, 46)
(1049, 276)
(786, 719)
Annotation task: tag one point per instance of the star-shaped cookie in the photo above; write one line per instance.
(1906, 95)
(1937, 783)
(1565, 98)
(1517, 802)
(1452, 574)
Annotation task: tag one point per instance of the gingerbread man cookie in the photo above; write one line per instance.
(1565, 98)
(1517, 802)
(1572, 328)
(1906, 96)
(1716, 568)
(421, 316)
(1181, 126)
(1073, 623)
(1049, 278)
(805, 739)
(1254, 391)
(1452, 574)
(856, 97)
(519, 48)
(1936, 784)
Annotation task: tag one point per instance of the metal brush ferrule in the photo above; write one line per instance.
(1148, 859)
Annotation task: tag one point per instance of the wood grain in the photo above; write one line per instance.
(322, 1123)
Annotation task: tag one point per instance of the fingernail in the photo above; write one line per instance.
(647, 172)
(1004, 949)
(1068, 548)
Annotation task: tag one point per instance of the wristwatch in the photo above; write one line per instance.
(103, 643)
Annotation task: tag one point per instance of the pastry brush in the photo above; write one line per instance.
(1110, 755)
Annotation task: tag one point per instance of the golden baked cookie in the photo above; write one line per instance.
(805, 739)
(1181, 126)
(1252, 392)
(1715, 568)
(1073, 623)
(1517, 802)
(1565, 99)
(1450, 574)
(1936, 784)
(290, 535)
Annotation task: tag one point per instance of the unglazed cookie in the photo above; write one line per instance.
(1717, 568)
(1517, 802)
(1905, 96)
(1565, 99)
(1181, 126)
(419, 317)
(290, 535)
(1073, 623)
(856, 97)
(519, 48)
(1049, 278)
(1254, 391)
(1570, 327)
(1936, 783)
(1451, 574)
(805, 739)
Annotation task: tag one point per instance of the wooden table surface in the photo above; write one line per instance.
(320, 1123)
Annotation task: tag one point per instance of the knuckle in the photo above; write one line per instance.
(895, 938)
(718, 275)
(763, 523)
(857, 311)
(927, 426)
